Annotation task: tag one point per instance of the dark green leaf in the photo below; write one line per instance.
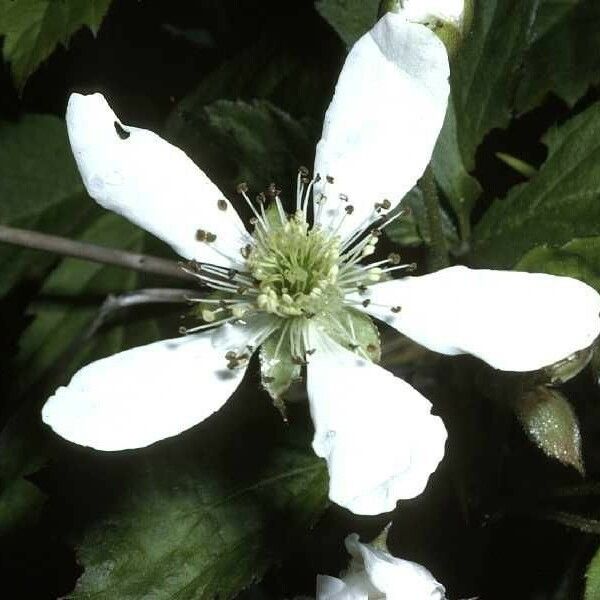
(484, 75)
(40, 189)
(182, 530)
(350, 18)
(34, 28)
(579, 258)
(460, 188)
(256, 143)
(549, 420)
(297, 79)
(413, 228)
(560, 203)
(562, 59)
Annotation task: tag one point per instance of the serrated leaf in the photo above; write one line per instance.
(485, 73)
(413, 228)
(252, 142)
(460, 188)
(549, 420)
(483, 78)
(561, 59)
(32, 29)
(183, 530)
(560, 203)
(579, 258)
(350, 18)
(270, 71)
(592, 578)
(40, 189)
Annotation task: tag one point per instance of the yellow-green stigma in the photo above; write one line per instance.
(295, 268)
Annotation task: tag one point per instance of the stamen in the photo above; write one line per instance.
(242, 189)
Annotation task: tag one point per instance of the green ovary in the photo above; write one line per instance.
(296, 269)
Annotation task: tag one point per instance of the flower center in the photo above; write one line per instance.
(295, 268)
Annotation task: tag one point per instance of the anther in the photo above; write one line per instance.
(253, 220)
(222, 204)
(121, 131)
(349, 209)
(242, 188)
(261, 198)
(205, 236)
(273, 191)
(231, 355)
(245, 250)
(343, 198)
(183, 330)
(366, 302)
(396, 309)
(394, 258)
(371, 348)
(330, 179)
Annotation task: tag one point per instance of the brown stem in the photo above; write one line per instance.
(92, 252)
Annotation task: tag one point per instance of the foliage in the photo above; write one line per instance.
(33, 29)
(212, 513)
(181, 529)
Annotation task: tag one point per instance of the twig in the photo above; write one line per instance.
(92, 252)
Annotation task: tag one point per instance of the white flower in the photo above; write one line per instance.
(375, 574)
(300, 289)
(427, 11)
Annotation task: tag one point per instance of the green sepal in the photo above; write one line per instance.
(278, 370)
(355, 331)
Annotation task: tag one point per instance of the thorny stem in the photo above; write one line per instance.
(92, 252)
(438, 251)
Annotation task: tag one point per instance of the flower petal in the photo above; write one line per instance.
(137, 397)
(382, 124)
(425, 11)
(332, 588)
(394, 577)
(376, 432)
(512, 320)
(137, 174)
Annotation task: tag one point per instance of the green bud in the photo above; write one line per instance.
(549, 420)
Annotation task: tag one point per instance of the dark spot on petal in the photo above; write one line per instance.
(122, 133)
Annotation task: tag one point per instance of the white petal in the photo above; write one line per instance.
(383, 122)
(152, 183)
(376, 432)
(332, 588)
(140, 396)
(512, 320)
(425, 11)
(394, 577)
